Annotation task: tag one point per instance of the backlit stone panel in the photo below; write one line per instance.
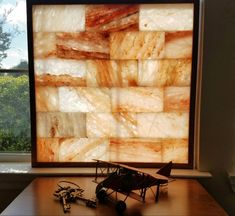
(112, 82)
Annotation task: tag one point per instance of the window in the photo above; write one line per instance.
(14, 82)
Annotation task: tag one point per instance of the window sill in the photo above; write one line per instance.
(14, 157)
(25, 168)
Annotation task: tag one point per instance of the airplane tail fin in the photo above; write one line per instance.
(165, 170)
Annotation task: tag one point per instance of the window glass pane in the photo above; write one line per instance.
(13, 34)
(14, 112)
(14, 84)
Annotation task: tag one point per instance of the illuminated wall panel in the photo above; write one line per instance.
(113, 82)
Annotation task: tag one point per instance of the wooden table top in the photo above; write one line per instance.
(180, 197)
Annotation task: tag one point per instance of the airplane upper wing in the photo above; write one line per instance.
(118, 165)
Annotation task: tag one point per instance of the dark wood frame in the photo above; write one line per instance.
(193, 89)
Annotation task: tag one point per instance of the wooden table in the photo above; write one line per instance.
(181, 197)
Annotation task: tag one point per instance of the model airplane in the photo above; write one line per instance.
(127, 180)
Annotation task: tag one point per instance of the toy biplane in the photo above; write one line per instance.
(129, 181)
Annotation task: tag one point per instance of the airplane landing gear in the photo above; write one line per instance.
(101, 195)
(120, 206)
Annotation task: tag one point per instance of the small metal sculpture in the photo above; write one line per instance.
(129, 181)
(68, 194)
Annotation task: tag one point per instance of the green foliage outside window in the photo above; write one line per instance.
(14, 114)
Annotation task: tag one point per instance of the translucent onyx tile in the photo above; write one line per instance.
(137, 99)
(83, 45)
(163, 125)
(175, 151)
(60, 72)
(166, 17)
(113, 17)
(60, 80)
(176, 99)
(178, 44)
(56, 66)
(47, 149)
(46, 79)
(47, 99)
(111, 125)
(83, 150)
(79, 99)
(135, 149)
(57, 124)
(110, 73)
(164, 72)
(137, 45)
(44, 44)
(58, 18)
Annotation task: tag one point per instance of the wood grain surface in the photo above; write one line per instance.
(180, 197)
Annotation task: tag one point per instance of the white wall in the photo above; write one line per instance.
(217, 150)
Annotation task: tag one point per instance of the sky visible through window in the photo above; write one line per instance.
(18, 49)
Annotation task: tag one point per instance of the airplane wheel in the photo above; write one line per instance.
(101, 195)
(120, 206)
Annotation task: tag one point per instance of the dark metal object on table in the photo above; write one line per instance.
(68, 195)
(129, 181)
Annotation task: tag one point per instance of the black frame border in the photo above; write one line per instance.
(193, 89)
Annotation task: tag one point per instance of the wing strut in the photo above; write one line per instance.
(157, 192)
